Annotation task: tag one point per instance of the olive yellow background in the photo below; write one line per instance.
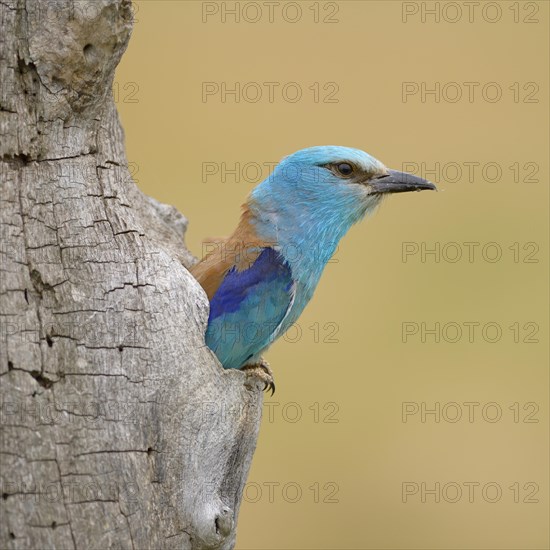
(334, 450)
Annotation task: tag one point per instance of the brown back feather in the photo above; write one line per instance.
(233, 251)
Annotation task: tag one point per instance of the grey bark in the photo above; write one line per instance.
(119, 428)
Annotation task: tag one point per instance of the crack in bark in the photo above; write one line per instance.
(67, 512)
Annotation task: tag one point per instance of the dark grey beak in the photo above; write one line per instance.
(400, 182)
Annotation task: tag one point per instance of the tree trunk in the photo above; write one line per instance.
(119, 428)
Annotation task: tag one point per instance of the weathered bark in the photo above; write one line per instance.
(119, 427)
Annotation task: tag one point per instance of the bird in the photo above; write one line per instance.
(259, 280)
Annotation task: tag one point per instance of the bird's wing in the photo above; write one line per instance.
(248, 307)
(241, 250)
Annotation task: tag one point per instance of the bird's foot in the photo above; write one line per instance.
(262, 371)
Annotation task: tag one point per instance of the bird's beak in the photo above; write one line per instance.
(399, 182)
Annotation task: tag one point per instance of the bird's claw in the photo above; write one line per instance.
(270, 386)
(262, 371)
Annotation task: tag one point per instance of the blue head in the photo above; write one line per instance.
(315, 195)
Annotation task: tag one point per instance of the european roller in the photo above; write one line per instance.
(260, 279)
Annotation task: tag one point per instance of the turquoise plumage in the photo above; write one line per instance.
(247, 308)
(260, 279)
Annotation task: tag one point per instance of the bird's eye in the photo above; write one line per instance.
(344, 169)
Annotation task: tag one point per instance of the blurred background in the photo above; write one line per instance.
(412, 399)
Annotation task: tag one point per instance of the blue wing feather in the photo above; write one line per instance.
(248, 307)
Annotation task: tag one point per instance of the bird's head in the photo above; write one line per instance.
(340, 183)
(320, 192)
